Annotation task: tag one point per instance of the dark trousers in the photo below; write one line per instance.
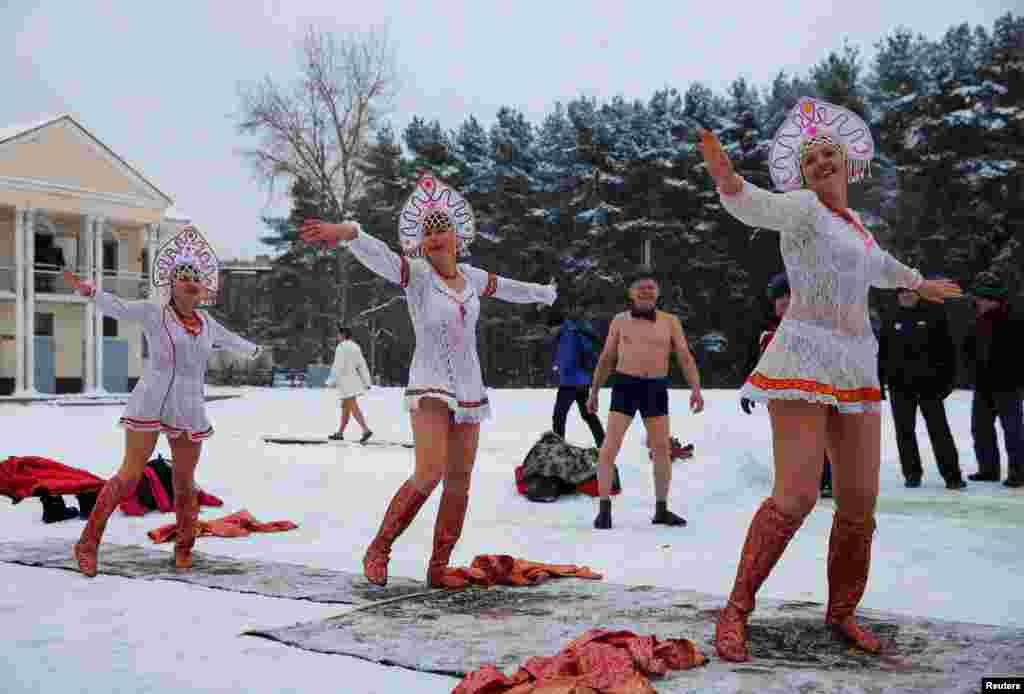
(578, 394)
(904, 413)
(1007, 407)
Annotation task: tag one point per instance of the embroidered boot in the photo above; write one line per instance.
(849, 558)
(403, 508)
(88, 544)
(447, 531)
(770, 531)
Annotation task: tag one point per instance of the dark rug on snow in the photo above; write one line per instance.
(272, 579)
(792, 650)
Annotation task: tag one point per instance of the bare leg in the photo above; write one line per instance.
(463, 441)
(798, 444)
(854, 442)
(346, 409)
(138, 447)
(357, 413)
(430, 423)
(618, 423)
(185, 454)
(661, 458)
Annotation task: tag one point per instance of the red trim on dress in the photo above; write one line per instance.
(808, 386)
(415, 392)
(492, 285)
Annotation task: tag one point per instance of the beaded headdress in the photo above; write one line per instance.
(813, 122)
(435, 205)
(187, 254)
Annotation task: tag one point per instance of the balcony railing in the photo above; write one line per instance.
(49, 279)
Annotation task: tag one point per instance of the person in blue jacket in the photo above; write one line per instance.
(578, 348)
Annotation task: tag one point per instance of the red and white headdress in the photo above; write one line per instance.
(813, 121)
(434, 203)
(187, 249)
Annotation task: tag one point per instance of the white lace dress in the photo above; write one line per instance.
(170, 395)
(445, 364)
(824, 350)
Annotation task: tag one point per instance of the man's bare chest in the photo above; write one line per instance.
(647, 339)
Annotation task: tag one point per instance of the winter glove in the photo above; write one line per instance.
(746, 404)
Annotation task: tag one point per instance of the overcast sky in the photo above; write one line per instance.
(157, 81)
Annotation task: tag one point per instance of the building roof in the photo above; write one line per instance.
(13, 131)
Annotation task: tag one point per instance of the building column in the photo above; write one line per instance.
(29, 235)
(89, 319)
(97, 265)
(19, 301)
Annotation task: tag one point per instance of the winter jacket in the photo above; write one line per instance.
(916, 353)
(577, 352)
(992, 350)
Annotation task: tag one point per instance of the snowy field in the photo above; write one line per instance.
(946, 555)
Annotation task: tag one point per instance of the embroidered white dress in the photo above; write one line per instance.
(824, 350)
(170, 395)
(445, 364)
(351, 377)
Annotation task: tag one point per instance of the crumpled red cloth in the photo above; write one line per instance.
(237, 524)
(598, 662)
(503, 570)
(24, 476)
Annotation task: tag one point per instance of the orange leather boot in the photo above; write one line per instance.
(88, 544)
(403, 508)
(447, 531)
(849, 559)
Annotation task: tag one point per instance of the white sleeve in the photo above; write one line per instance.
(225, 339)
(115, 307)
(512, 291)
(783, 212)
(379, 259)
(892, 274)
(364, 370)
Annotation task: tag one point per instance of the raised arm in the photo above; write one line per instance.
(892, 274)
(373, 253)
(512, 291)
(786, 212)
(225, 339)
(113, 306)
(688, 364)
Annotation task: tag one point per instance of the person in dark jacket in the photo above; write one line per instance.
(992, 349)
(917, 365)
(778, 292)
(575, 358)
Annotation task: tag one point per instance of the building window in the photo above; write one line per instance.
(110, 255)
(109, 326)
(44, 325)
(145, 347)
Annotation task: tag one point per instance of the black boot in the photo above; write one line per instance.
(604, 516)
(662, 516)
(85, 504)
(55, 511)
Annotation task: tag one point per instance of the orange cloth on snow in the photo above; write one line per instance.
(237, 524)
(598, 662)
(501, 569)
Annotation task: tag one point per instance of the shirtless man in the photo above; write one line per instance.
(638, 347)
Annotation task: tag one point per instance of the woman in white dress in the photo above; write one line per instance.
(352, 379)
(169, 397)
(819, 375)
(446, 395)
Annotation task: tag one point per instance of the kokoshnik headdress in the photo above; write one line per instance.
(813, 122)
(187, 254)
(434, 204)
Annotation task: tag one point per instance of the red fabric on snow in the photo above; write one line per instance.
(238, 524)
(589, 487)
(598, 662)
(24, 476)
(132, 506)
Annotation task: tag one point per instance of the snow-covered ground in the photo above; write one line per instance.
(947, 555)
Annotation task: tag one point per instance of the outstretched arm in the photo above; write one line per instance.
(512, 291)
(225, 339)
(368, 250)
(688, 364)
(110, 305)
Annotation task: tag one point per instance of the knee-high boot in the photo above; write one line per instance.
(849, 559)
(186, 511)
(88, 544)
(770, 531)
(401, 511)
(447, 531)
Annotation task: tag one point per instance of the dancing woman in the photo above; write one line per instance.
(819, 374)
(446, 396)
(169, 397)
